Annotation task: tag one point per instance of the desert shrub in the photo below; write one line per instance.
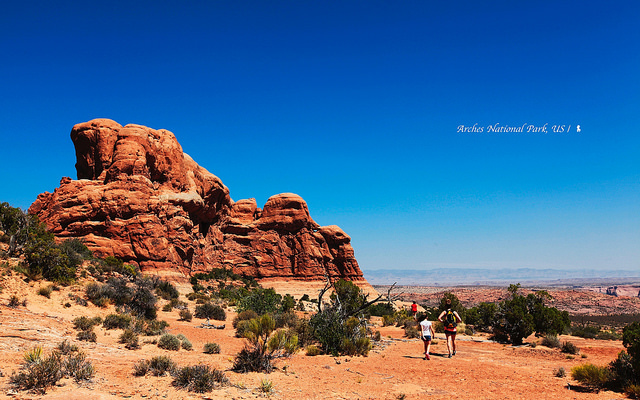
(116, 321)
(153, 327)
(241, 328)
(199, 378)
(591, 375)
(313, 350)
(85, 323)
(388, 320)
(380, 309)
(260, 300)
(288, 303)
(143, 302)
(41, 374)
(411, 330)
(159, 365)
(264, 345)
(167, 307)
(87, 336)
(287, 319)
(65, 347)
(211, 348)
(14, 301)
(46, 291)
(569, 348)
(33, 355)
(342, 322)
(244, 316)
(560, 372)
(482, 316)
(130, 339)
(587, 332)
(98, 294)
(185, 315)
(608, 335)
(169, 342)
(166, 290)
(185, 343)
(305, 297)
(551, 341)
(210, 311)
(141, 368)
(266, 386)
(77, 367)
(633, 391)
(45, 259)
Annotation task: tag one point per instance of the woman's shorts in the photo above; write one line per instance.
(426, 338)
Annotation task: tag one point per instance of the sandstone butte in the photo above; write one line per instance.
(140, 198)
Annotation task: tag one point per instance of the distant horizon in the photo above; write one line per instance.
(494, 276)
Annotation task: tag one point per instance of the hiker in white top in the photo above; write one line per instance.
(427, 335)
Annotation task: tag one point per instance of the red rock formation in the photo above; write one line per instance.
(140, 198)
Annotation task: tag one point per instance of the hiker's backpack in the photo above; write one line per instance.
(450, 319)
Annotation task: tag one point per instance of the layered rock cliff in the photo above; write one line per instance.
(140, 198)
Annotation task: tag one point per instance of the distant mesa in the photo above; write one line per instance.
(140, 198)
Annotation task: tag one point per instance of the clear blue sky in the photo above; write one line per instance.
(355, 106)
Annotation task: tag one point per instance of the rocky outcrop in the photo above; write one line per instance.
(140, 198)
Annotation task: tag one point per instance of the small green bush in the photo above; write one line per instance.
(185, 315)
(154, 327)
(141, 368)
(40, 376)
(199, 378)
(87, 336)
(160, 365)
(167, 291)
(130, 339)
(78, 368)
(117, 321)
(560, 372)
(244, 316)
(65, 347)
(211, 348)
(591, 375)
(570, 348)
(551, 341)
(46, 291)
(210, 311)
(186, 344)
(85, 323)
(14, 301)
(313, 350)
(169, 342)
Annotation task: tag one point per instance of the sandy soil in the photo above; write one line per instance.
(395, 367)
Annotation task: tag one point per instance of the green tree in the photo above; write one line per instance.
(546, 320)
(513, 320)
(631, 340)
(482, 316)
(260, 300)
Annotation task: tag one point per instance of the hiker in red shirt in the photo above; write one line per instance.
(450, 320)
(414, 309)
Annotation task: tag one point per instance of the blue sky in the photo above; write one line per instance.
(355, 106)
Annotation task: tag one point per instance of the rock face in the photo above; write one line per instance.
(140, 198)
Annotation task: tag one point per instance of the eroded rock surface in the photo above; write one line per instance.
(140, 198)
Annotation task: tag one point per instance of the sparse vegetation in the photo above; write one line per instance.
(560, 372)
(130, 339)
(199, 378)
(591, 375)
(38, 373)
(265, 344)
(569, 348)
(551, 341)
(211, 348)
(169, 342)
(210, 311)
(185, 315)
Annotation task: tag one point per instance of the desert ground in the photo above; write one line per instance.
(394, 369)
